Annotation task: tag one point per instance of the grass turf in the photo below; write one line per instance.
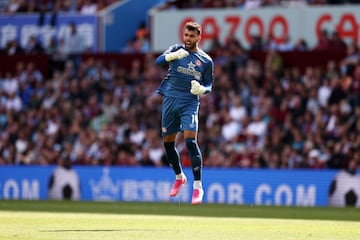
(35, 220)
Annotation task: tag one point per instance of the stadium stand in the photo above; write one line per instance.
(62, 6)
(266, 110)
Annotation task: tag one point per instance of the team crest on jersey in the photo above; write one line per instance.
(198, 62)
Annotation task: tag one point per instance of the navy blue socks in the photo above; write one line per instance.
(195, 157)
(173, 157)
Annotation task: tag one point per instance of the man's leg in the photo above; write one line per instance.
(173, 159)
(196, 163)
(172, 155)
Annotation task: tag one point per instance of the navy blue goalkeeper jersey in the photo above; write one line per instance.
(177, 83)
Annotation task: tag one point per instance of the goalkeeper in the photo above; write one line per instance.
(190, 74)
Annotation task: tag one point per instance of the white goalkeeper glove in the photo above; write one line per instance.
(197, 88)
(179, 54)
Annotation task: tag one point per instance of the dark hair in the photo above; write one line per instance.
(193, 26)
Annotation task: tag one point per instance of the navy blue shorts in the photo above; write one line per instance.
(179, 115)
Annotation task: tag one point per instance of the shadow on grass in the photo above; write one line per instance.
(103, 230)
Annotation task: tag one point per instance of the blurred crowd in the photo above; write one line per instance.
(70, 43)
(269, 115)
(140, 42)
(55, 6)
(259, 115)
(93, 6)
(248, 4)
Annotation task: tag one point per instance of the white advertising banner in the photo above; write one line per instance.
(23, 26)
(296, 23)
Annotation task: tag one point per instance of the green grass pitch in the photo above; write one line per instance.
(52, 220)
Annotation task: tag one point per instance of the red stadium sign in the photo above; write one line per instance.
(281, 23)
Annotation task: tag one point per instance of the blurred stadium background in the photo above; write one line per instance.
(80, 119)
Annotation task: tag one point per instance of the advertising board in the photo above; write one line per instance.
(23, 26)
(295, 23)
(223, 186)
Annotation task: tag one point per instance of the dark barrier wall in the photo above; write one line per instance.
(8, 63)
(303, 59)
(299, 59)
(43, 62)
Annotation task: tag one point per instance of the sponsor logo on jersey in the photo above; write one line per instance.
(190, 70)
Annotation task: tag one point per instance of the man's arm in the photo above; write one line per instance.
(208, 78)
(206, 87)
(171, 54)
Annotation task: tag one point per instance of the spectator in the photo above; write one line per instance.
(324, 41)
(33, 46)
(336, 42)
(355, 87)
(4, 5)
(12, 47)
(140, 43)
(256, 43)
(66, 6)
(32, 74)
(88, 7)
(287, 113)
(73, 45)
(348, 64)
(98, 72)
(13, 102)
(301, 45)
(252, 4)
(13, 6)
(270, 43)
(286, 45)
(10, 84)
(274, 62)
(74, 41)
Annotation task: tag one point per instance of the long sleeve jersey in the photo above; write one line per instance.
(197, 66)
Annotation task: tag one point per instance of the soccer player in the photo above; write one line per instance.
(190, 74)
